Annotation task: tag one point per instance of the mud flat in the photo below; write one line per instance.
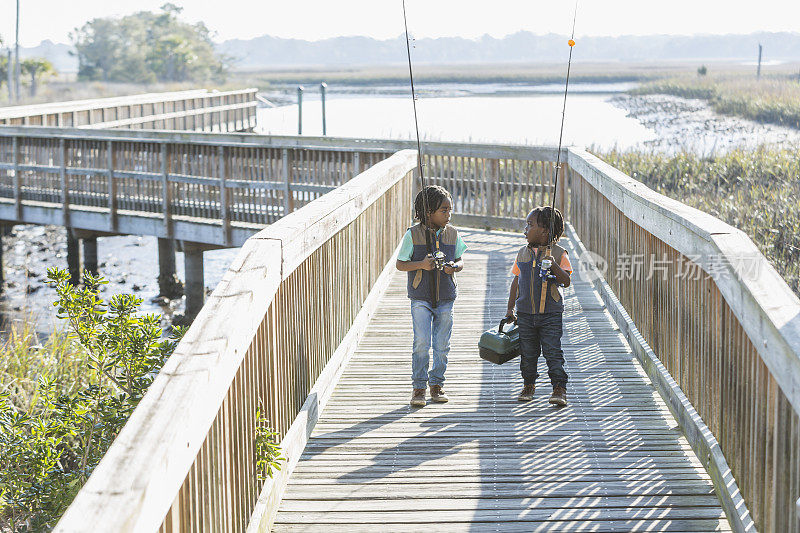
(683, 124)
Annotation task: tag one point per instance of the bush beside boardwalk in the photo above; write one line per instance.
(757, 191)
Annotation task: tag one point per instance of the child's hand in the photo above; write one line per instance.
(510, 315)
(429, 263)
(449, 268)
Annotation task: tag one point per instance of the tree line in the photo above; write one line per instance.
(147, 47)
(33, 68)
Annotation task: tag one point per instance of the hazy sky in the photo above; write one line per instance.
(316, 19)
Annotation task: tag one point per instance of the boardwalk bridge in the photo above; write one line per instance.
(685, 378)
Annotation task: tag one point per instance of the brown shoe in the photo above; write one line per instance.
(418, 398)
(527, 393)
(438, 395)
(559, 396)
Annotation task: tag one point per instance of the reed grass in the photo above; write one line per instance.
(756, 191)
(773, 100)
(25, 357)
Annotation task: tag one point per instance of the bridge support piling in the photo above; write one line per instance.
(90, 254)
(169, 285)
(195, 283)
(73, 258)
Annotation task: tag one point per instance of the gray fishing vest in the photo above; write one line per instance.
(420, 281)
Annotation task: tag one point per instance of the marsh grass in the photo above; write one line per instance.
(25, 358)
(773, 100)
(757, 191)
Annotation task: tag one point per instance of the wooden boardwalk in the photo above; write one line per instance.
(613, 460)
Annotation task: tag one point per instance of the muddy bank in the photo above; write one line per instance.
(129, 263)
(682, 124)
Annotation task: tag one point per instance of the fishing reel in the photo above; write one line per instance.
(544, 270)
(439, 259)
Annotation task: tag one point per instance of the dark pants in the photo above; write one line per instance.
(541, 333)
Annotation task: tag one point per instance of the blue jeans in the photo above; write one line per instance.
(541, 333)
(434, 324)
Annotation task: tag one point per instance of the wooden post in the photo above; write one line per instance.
(90, 254)
(356, 164)
(73, 258)
(322, 87)
(223, 198)
(62, 174)
(758, 72)
(195, 284)
(165, 192)
(288, 201)
(17, 178)
(299, 109)
(112, 187)
(494, 185)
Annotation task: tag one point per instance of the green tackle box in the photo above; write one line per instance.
(498, 346)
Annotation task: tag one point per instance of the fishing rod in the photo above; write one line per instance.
(557, 169)
(434, 287)
(544, 271)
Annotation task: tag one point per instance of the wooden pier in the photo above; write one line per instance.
(684, 393)
(613, 460)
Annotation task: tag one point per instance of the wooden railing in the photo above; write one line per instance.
(717, 315)
(210, 188)
(196, 110)
(279, 323)
(219, 189)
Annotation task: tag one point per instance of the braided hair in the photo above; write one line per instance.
(543, 215)
(434, 196)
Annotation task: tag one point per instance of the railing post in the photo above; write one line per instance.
(299, 109)
(165, 192)
(494, 185)
(288, 203)
(17, 178)
(322, 87)
(62, 174)
(112, 187)
(223, 197)
(356, 163)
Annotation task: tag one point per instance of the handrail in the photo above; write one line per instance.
(183, 110)
(193, 432)
(718, 316)
(114, 101)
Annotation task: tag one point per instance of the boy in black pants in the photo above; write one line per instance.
(540, 328)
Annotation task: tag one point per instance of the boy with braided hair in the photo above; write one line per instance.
(431, 287)
(540, 323)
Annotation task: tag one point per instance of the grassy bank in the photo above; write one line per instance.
(755, 191)
(774, 100)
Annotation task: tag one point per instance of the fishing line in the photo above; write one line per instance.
(571, 43)
(416, 123)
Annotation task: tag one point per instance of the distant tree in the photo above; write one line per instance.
(35, 68)
(702, 71)
(147, 47)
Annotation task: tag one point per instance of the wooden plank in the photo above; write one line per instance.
(370, 453)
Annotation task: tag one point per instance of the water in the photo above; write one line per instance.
(591, 119)
(596, 115)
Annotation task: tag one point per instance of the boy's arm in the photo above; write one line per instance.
(512, 297)
(562, 276)
(455, 266)
(409, 266)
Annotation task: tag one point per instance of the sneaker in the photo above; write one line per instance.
(559, 396)
(527, 393)
(438, 395)
(418, 398)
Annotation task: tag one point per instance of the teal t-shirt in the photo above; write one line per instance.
(407, 247)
